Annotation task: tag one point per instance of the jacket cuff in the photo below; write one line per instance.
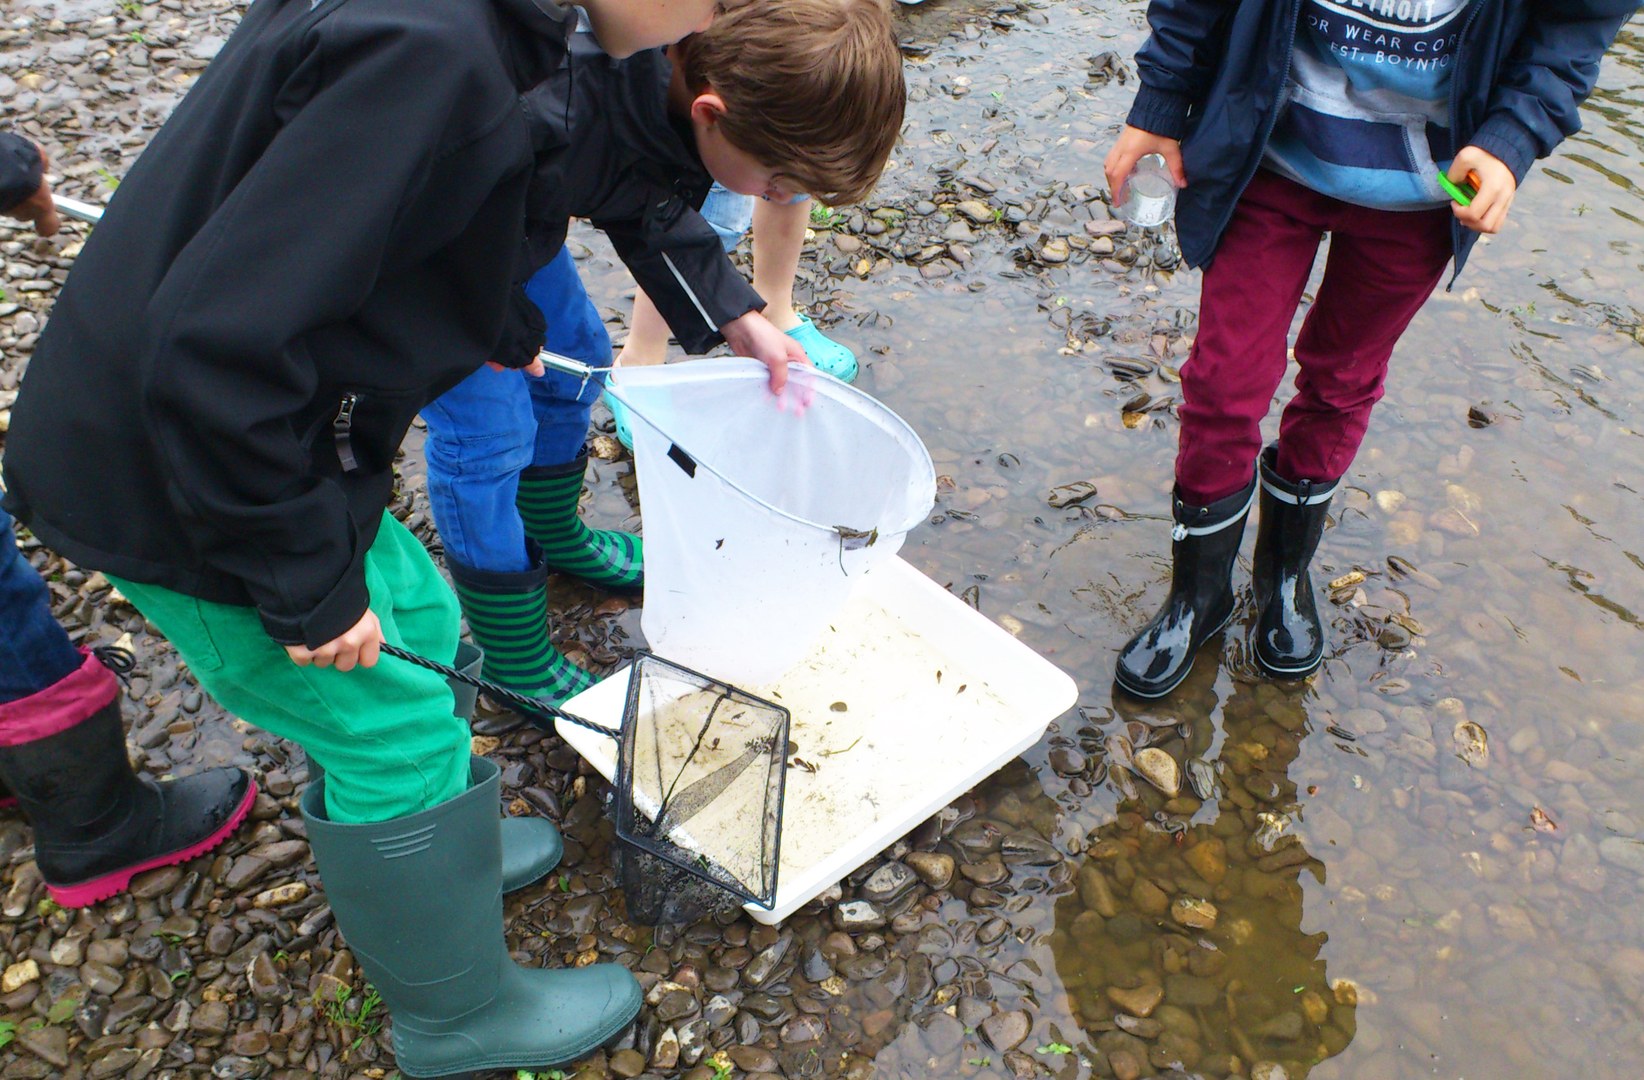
(1160, 112)
(737, 302)
(20, 170)
(1505, 138)
(327, 620)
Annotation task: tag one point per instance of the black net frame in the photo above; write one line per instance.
(663, 879)
(742, 740)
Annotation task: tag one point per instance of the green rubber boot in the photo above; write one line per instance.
(547, 500)
(508, 616)
(437, 955)
(531, 846)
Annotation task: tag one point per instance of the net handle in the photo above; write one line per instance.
(532, 708)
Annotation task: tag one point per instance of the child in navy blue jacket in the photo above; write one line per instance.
(1283, 120)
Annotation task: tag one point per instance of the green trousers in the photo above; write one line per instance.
(387, 736)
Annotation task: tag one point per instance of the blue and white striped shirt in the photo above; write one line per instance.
(1368, 112)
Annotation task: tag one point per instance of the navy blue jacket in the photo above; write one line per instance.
(1213, 75)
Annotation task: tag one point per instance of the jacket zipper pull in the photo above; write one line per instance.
(341, 429)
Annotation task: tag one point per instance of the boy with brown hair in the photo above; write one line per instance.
(773, 99)
(326, 234)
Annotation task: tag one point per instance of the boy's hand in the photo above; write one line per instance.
(356, 648)
(1134, 144)
(1496, 189)
(756, 336)
(535, 368)
(38, 209)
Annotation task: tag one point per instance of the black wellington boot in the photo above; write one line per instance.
(96, 823)
(1203, 546)
(1289, 640)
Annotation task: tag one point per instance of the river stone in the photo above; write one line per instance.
(155, 883)
(1125, 1065)
(979, 212)
(627, 1063)
(1149, 898)
(19, 975)
(1095, 893)
(1159, 769)
(763, 966)
(987, 871)
(1208, 858)
(1142, 1029)
(753, 1059)
(1066, 761)
(1268, 1070)
(933, 868)
(1007, 1031)
(675, 1005)
(245, 871)
(250, 1043)
(665, 1055)
(803, 1029)
(100, 978)
(1029, 850)
(68, 952)
(977, 837)
(1194, 913)
(1287, 1026)
(888, 883)
(1623, 851)
(113, 951)
(858, 916)
(48, 1043)
(264, 979)
(943, 1034)
(119, 1062)
(1140, 1001)
(210, 1020)
(1189, 991)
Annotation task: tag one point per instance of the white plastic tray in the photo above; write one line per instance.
(936, 697)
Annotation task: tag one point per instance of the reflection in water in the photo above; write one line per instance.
(1182, 946)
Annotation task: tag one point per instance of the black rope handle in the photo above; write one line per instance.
(530, 707)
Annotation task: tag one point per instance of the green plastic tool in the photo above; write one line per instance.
(1461, 194)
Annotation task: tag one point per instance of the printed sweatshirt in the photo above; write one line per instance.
(1367, 112)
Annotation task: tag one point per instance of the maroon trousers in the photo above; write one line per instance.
(1383, 265)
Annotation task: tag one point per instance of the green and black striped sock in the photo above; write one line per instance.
(508, 616)
(548, 504)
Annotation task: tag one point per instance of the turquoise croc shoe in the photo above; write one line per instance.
(619, 413)
(827, 354)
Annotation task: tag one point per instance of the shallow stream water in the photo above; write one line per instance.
(1428, 860)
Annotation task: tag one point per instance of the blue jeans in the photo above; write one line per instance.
(731, 214)
(493, 424)
(34, 651)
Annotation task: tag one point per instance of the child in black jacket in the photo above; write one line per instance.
(634, 145)
(327, 233)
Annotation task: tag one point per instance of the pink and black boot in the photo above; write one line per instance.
(96, 823)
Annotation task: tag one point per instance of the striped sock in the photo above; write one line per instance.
(508, 615)
(548, 504)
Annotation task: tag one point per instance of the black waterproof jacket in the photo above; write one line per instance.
(20, 170)
(1214, 72)
(322, 238)
(608, 150)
